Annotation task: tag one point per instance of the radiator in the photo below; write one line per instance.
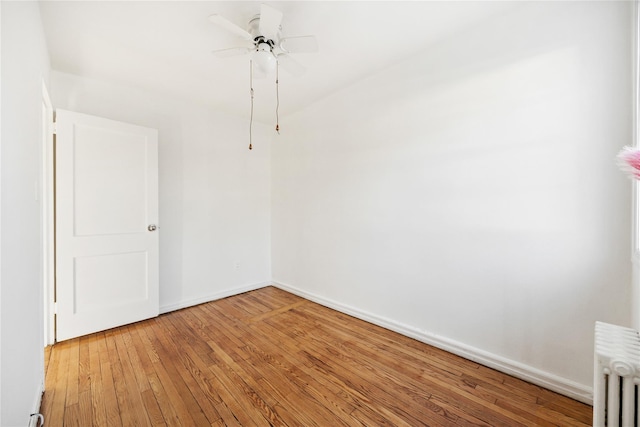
(616, 376)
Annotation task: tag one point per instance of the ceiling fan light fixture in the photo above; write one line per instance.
(263, 59)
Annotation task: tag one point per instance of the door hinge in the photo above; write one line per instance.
(54, 128)
(55, 308)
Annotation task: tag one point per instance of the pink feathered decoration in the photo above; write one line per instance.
(629, 161)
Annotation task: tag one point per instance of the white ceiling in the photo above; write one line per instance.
(165, 46)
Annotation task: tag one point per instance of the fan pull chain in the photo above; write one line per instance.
(251, 116)
(277, 96)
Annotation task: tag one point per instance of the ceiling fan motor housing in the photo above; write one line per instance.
(254, 30)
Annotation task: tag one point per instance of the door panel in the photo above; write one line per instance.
(106, 196)
(104, 283)
(110, 172)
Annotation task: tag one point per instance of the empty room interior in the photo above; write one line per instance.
(316, 212)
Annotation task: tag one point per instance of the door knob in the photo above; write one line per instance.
(152, 227)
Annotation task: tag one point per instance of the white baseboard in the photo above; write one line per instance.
(525, 372)
(208, 298)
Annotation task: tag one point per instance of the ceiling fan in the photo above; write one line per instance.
(264, 42)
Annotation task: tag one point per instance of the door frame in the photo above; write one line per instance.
(48, 217)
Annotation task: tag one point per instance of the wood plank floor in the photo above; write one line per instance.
(268, 357)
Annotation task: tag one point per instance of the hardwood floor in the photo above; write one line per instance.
(268, 357)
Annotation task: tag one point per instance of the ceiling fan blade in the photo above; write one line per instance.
(299, 44)
(289, 64)
(270, 20)
(232, 51)
(223, 22)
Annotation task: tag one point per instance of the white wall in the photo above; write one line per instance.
(469, 196)
(0, 213)
(24, 66)
(214, 192)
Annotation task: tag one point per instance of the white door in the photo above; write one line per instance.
(106, 218)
